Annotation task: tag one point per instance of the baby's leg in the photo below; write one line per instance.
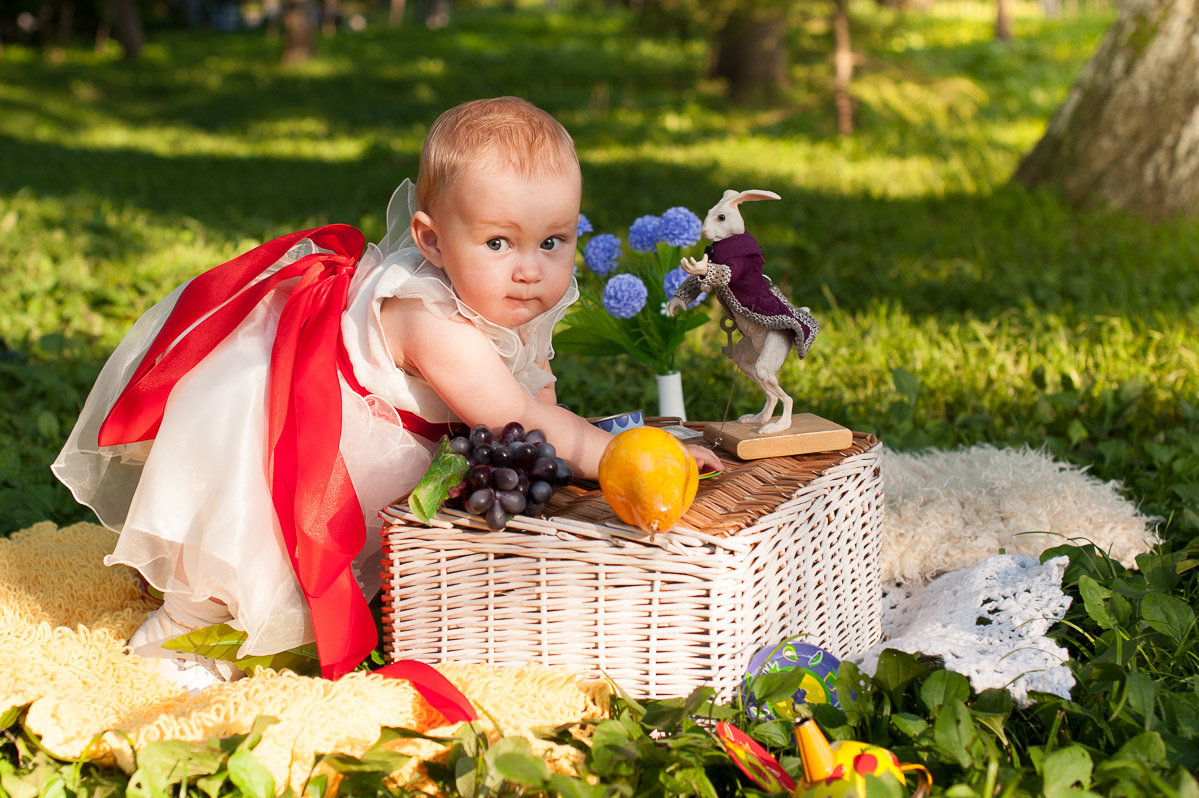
(177, 616)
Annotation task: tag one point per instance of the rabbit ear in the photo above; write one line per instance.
(747, 196)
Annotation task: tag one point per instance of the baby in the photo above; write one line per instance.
(245, 434)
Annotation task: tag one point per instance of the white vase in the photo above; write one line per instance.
(670, 395)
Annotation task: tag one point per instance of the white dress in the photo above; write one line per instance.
(193, 507)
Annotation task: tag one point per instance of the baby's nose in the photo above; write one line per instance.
(527, 271)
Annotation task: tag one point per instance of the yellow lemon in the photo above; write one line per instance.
(648, 477)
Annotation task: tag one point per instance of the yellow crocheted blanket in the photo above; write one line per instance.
(64, 620)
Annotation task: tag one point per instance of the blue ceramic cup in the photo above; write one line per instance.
(620, 422)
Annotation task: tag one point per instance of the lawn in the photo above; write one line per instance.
(955, 307)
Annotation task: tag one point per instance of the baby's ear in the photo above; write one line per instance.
(424, 233)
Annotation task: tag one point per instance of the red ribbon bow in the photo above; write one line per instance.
(315, 502)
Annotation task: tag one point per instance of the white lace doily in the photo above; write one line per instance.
(987, 622)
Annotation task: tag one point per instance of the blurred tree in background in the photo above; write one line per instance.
(1128, 133)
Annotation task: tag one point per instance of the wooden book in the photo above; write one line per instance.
(809, 433)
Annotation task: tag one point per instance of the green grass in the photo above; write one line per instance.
(955, 307)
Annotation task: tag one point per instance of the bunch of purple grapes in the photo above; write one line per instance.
(513, 473)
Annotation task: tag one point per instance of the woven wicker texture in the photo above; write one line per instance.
(769, 550)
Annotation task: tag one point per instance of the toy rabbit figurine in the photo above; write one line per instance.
(770, 325)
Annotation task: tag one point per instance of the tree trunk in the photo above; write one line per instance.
(1128, 132)
(395, 14)
(330, 16)
(127, 23)
(842, 67)
(1003, 20)
(439, 14)
(751, 53)
(299, 34)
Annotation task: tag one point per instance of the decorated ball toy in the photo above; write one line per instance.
(818, 678)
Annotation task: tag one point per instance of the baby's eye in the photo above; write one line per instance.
(497, 244)
(552, 243)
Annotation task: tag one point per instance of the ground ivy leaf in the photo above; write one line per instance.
(1167, 614)
(941, 687)
(1141, 690)
(1094, 599)
(611, 749)
(522, 768)
(908, 724)
(567, 787)
(166, 762)
(1066, 770)
(444, 472)
(250, 776)
(897, 668)
(954, 732)
(1147, 748)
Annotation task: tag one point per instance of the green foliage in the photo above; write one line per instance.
(222, 641)
(955, 308)
(649, 336)
(445, 471)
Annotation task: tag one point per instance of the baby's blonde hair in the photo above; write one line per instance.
(498, 133)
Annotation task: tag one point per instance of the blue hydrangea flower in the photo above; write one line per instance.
(624, 296)
(601, 253)
(584, 226)
(680, 227)
(671, 282)
(645, 233)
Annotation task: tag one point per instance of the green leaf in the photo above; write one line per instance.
(908, 724)
(612, 750)
(466, 776)
(1065, 771)
(584, 342)
(213, 784)
(379, 761)
(219, 641)
(664, 714)
(566, 787)
(887, 787)
(1160, 570)
(1140, 690)
(1148, 748)
(942, 687)
(1167, 614)
(444, 472)
(11, 716)
(316, 786)
(250, 776)
(522, 768)
(251, 739)
(954, 733)
(897, 668)
(906, 383)
(1094, 599)
(167, 762)
(303, 660)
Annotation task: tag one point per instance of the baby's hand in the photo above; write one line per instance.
(705, 458)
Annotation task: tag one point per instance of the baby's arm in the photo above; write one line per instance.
(705, 458)
(461, 365)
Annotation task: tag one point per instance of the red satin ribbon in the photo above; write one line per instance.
(317, 507)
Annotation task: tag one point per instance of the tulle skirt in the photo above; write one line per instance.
(193, 507)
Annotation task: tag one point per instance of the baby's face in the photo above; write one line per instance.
(508, 241)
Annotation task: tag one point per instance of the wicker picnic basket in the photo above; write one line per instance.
(770, 549)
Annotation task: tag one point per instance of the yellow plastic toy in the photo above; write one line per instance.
(839, 770)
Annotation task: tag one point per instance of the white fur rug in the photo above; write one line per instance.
(947, 510)
(962, 531)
